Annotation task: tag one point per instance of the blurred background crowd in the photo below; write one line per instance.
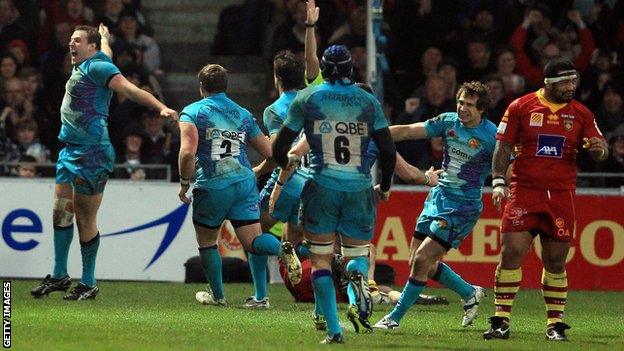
(433, 46)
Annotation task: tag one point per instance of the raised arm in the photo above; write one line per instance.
(312, 65)
(104, 43)
(412, 131)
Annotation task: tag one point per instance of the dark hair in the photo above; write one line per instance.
(555, 67)
(213, 78)
(27, 158)
(289, 70)
(93, 36)
(477, 89)
(493, 77)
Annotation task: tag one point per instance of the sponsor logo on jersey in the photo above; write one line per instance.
(568, 125)
(462, 153)
(550, 145)
(515, 215)
(564, 116)
(505, 116)
(553, 119)
(215, 133)
(537, 119)
(341, 128)
(451, 133)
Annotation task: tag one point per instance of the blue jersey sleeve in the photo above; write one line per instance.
(295, 118)
(253, 130)
(272, 121)
(380, 119)
(436, 126)
(101, 72)
(188, 115)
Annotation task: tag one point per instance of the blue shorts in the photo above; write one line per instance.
(86, 167)
(287, 206)
(325, 210)
(447, 221)
(238, 201)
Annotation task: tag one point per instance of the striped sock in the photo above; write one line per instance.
(507, 284)
(555, 292)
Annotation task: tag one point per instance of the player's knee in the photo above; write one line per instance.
(553, 265)
(63, 212)
(512, 254)
(421, 263)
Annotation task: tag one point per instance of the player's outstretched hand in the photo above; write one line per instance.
(103, 30)
(381, 195)
(499, 194)
(182, 194)
(434, 176)
(169, 113)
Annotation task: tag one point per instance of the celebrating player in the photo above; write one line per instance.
(339, 120)
(546, 128)
(454, 206)
(214, 134)
(84, 164)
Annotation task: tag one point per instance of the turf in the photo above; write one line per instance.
(165, 316)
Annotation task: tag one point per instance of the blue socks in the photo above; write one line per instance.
(447, 277)
(62, 239)
(211, 263)
(408, 297)
(325, 295)
(359, 263)
(258, 267)
(266, 244)
(89, 250)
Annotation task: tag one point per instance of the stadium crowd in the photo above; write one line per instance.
(433, 46)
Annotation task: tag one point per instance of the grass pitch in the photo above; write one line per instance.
(165, 316)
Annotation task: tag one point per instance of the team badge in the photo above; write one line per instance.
(537, 119)
(568, 124)
(473, 143)
(451, 133)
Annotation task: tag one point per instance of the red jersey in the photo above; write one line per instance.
(547, 137)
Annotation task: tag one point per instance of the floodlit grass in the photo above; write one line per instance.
(165, 316)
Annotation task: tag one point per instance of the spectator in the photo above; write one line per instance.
(358, 57)
(19, 50)
(129, 35)
(434, 102)
(110, 16)
(132, 154)
(26, 168)
(478, 52)
(353, 30)
(615, 161)
(13, 27)
(498, 104)
(610, 114)
(532, 72)
(36, 101)
(73, 12)
(447, 69)
(26, 142)
(429, 61)
(514, 84)
(14, 110)
(8, 66)
(291, 34)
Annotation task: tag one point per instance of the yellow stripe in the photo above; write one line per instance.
(504, 302)
(502, 314)
(506, 289)
(555, 294)
(551, 307)
(551, 105)
(554, 320)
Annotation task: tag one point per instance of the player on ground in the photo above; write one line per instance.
(546, 128)
(214, 135)
(339, 121)
(453, 207)
(84, 164)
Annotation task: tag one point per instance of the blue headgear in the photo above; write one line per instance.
(336, 63)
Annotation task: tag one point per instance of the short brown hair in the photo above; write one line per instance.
(477, 89)
(213, 78)
(93, 36)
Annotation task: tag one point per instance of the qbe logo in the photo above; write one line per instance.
(550, 145)
(6, 314)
